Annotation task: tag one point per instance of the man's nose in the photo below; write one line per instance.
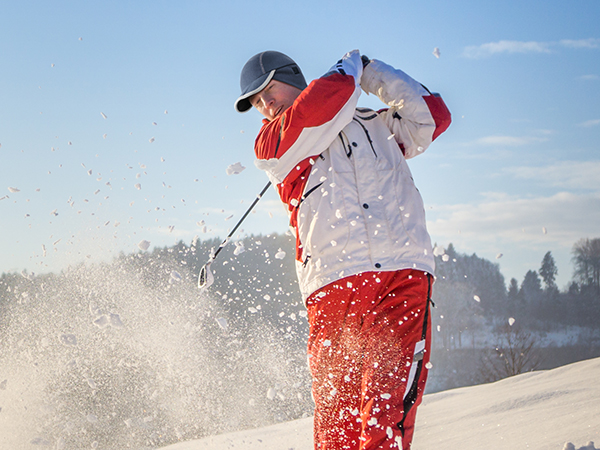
(269, 100)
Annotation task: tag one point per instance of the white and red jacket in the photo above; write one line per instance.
(341, 172)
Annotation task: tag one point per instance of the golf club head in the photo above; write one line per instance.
(205, 277)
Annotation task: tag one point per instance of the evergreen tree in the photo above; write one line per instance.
(513, 296)
(513, 289)
(548, 272)
(531, 288)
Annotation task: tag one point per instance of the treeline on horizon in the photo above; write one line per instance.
(475, 308)
(247, 266)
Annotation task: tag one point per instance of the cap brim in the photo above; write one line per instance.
(242, 104)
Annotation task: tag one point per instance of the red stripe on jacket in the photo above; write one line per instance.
(439, 112)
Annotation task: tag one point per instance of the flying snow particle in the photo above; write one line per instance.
(234, 169)
(326, 343)
(499, 255)
(544, 230)
(511, 321)
(162, 159)
(222, 321)
(144, 245)
(103, 115)
(386, 396)
(115, 320)
(138, 186)
(476, 298)
(428, 365)
(175, 276)
(171, 228)
(280, 254)
(445, 258)
(239, 248)
(68, 339)
(101, 322)
(229, 217)
(436, 52)
(438, 251)
(151, 140)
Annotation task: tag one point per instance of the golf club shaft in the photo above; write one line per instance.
(242, 219)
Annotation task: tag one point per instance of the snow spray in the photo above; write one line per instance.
(126, 355)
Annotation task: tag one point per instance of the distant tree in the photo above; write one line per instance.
(548, 272)
(482, 275)
(531, 288)
(513, 296)
(586, 259)
(516, 352)
(458, 311)
(513, 289)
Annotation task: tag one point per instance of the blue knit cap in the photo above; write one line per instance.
(261, 69)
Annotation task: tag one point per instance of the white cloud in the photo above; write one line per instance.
(511, 47)
(492, 48)
(590, 123)
(564, 174)
(515, 227)
(589, 77)
(513, 221)
(581, 43)
(510, 141)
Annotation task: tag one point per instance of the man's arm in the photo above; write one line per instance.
(415, 116)
(309, 126)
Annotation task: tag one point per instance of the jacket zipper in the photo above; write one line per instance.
(280, 133)
(368, 136)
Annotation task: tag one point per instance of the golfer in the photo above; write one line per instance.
(363, 255)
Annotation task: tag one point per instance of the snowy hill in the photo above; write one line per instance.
(543, 410)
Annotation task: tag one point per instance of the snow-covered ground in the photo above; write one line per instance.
(546, 410)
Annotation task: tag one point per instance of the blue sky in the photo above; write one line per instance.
(98, 97)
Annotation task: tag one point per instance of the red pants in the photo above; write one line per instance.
(368, 346)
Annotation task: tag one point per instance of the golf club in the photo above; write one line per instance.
(205, 277)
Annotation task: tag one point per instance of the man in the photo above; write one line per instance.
(363, 255)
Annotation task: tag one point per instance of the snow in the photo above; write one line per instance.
(545, 410)
(234, 169)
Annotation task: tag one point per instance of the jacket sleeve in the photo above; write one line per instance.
(415, 116)
(308, 127)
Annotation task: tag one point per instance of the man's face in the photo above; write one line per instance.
(273, 100)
